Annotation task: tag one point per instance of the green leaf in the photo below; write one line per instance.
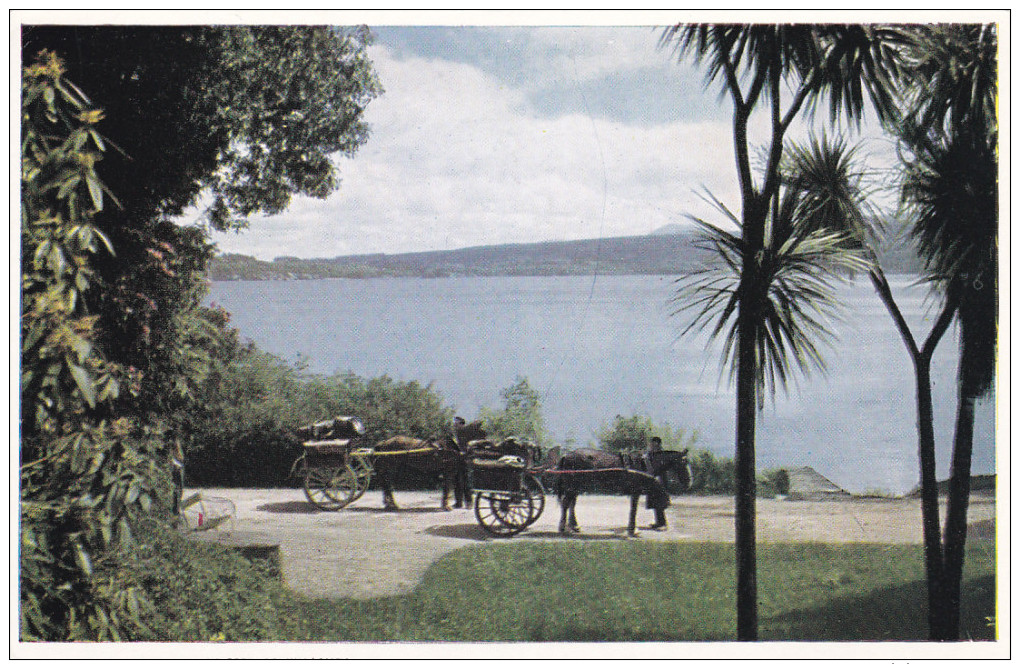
(96, 190)
(81, 346)
(97, 139)
(82, 556)
(84, 382)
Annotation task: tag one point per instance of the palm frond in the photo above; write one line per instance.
(796, 302)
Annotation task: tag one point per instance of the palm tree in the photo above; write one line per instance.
(950, 159)
(948, 137)
(755, 63)
(836, 196)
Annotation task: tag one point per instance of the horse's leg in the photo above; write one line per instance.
(445, 504)
(660, 519)
(635, 498)
(389, 504)
(572, 525)
(568, 522)
(564, 506)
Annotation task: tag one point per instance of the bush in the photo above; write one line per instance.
(773, 483)
(634, 432)
(714, 476)
(240, 432)
(196, 591)
(520, 417)
(711, 475)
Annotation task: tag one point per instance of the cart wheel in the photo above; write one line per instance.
(534, 486)
(363, 473)
(504, 516)
(331, 488)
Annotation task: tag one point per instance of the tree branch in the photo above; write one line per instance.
(885, 294)
(940, 327)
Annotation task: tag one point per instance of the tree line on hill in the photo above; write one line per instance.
(666, 254)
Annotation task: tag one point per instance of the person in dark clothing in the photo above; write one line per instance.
(654, 446)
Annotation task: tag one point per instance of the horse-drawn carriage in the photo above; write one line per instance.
(505, 476)
(335, 473)
(509, 496)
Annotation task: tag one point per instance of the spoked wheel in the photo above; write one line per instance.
(533, 485)
(362, 470)
(505, 515)
(331, 488)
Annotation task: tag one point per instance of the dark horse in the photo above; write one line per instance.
(436, 458)
(581, 470)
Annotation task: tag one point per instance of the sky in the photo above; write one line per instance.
(495, 135)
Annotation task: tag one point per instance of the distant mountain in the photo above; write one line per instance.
(669, 250)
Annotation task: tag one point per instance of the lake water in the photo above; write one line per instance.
(596, 348)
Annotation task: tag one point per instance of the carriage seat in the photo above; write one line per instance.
(336, 446)
(506, 461)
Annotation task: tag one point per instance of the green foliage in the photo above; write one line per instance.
(793, 295)
(85, 475)
(520, 417)
(198, 591)
(634, 432)
(775, 482)
(249, 114)
(711, 475)
(239, 430)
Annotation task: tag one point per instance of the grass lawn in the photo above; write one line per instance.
(656, 591)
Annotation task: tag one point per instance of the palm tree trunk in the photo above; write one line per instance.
(933, 554)
(747, 574)
(746, 413)
(929, 494)
(956, 517)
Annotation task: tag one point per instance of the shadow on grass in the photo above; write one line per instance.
(897, 613)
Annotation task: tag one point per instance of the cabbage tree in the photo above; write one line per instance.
(783, 71)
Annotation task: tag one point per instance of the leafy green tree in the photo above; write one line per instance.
(236, 118)
(114, 345)
(767, 67)
(521, 414)
(86, 474)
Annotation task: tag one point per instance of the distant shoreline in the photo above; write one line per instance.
(671, 254)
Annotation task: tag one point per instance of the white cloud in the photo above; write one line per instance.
(456, 159)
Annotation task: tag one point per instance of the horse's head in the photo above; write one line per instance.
(676, 461)
(683, 470)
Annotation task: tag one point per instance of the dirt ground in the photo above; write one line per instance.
(363, 551)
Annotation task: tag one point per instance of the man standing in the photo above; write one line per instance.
(654, 447)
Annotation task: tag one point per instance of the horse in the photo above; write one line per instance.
(580, 470)
(433, 457)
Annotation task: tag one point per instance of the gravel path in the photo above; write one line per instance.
(363, 551)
